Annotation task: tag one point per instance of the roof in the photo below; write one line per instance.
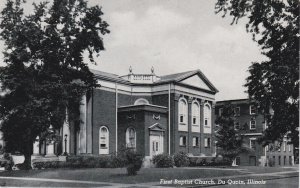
(163, 79)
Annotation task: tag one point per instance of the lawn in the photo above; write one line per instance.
(145, 175)
(118, 175)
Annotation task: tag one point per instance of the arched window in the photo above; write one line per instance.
(141, 101)
(207, 117)
(195, 117)
(130, 138)
(182, 114)
(103, 140)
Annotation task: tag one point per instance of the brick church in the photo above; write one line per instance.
(149, 113)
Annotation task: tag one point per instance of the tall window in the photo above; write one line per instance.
(130, 138)
(207, 142)
(195, 141)
(207, 115)
(252, 124)
(252, 143)
(103, 140)
(183, 111)
(284, 146)
(252, 109)
(220, 111)
(182, 140)
(195, 117)
(237, 111)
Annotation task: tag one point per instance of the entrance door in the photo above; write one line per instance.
(156, 145)
(252, 160)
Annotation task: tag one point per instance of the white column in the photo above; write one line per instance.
(50, 149)
(82, 137)
(66, 131)
(36, 148)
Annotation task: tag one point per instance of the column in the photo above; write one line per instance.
(189, 124)
(213, 106)
(201, 125)
(66, 135)
(82, 133)
(50, 149)
(36, 148)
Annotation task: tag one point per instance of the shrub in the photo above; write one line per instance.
(134, 162)
(7, 161)
(209, 161)
(271, 162)
(163, 161)
(181, 159)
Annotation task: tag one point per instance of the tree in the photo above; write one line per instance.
(229, 140)
(45, 73)
(273, 83)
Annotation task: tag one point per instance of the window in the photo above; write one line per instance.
(252, 109)
(252, 143)
(290, 148)
(207, 142)
(284, 160)
(252, 124)
(141, 101)
(103, 140)
(182, 111)
(220, 111)
(207, 115)
(284, 146)
(196, 113)
(236, 125)
(195, 141)
(182, 140)
(130, 138)
(279, 160)
(237, 111)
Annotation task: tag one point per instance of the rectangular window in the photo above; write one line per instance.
(252, 143)
(194, 120)
(195, 141)
(290, 160)
(181, 119)
(220, 111)
(252, 109)
(237, 111)
(252, 124)
(207, 142)
(267, 148)
(284, 146)
(279, 160)
(290, 148)
(237, 125)
(205, 122)
(182, 141)
(284, 160)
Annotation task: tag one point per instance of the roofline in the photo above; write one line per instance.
(233, 100)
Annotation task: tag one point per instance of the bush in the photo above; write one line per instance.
(181, 159)
(271, 162)
(163, 161)
(7, 161)
(209, 161)
(133, 162)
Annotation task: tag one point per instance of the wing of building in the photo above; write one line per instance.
(149, 113)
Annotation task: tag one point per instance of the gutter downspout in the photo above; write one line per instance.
(116, 117)
(169, 119)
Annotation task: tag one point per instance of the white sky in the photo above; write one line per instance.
(175, 36)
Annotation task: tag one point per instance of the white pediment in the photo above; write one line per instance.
(195, 81)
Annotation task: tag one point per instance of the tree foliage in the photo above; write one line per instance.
(274, 83)
(45, 73)
(229, 139)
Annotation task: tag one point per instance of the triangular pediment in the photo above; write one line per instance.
(156, 127)
(195, 81)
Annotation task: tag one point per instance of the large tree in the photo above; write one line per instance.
(44, 73)
(274, 83)
(230, 139)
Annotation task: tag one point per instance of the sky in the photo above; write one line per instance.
(175, 36)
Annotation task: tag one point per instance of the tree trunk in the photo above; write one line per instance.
(27, 154)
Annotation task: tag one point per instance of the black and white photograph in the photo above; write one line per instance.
(149, 93)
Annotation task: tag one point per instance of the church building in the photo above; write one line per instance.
(146, 112)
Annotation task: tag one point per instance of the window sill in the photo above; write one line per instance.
(182, 145)
(196, 125)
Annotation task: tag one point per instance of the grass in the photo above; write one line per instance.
(119, 175)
